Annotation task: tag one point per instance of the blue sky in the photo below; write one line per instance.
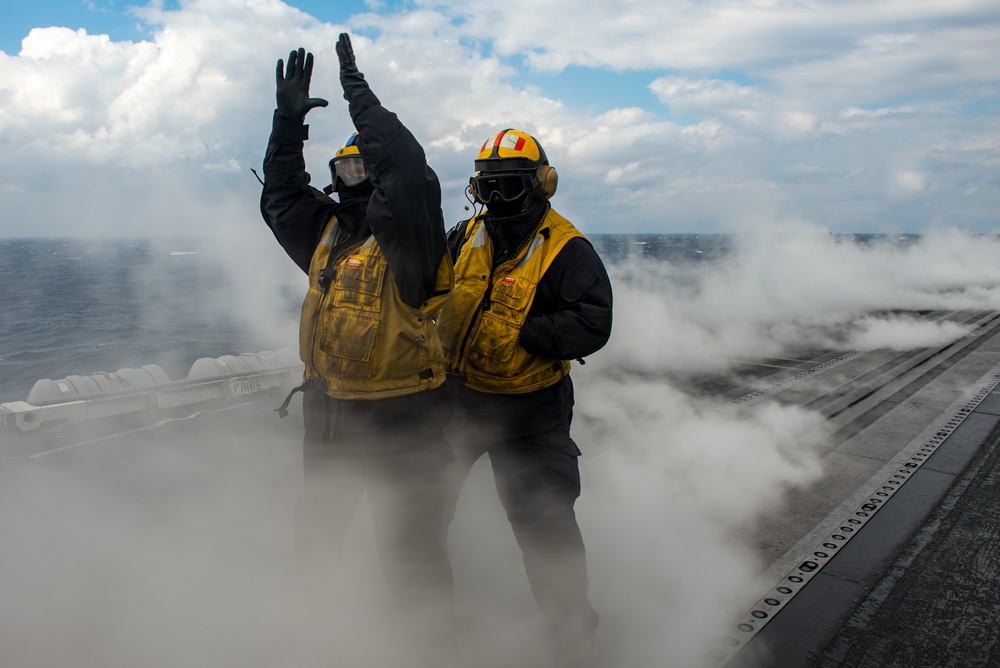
(96, 16)
(661, 116)
(116, 19)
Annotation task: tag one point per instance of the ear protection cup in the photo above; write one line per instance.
(548, 180)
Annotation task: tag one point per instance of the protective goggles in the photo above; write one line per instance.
(509, 187)
(350, 170)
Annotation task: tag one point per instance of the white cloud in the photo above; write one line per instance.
(850, 93)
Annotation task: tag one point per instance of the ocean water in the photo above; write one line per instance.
(83, 306)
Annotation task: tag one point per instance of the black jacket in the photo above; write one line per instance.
(403, 212)
(569, 319)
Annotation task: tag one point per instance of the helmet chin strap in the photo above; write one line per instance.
(533, 198)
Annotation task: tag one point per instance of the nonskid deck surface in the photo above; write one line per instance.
(903, 424)
(858, 573)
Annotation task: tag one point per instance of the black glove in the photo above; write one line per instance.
(350, 78)
(292, 86)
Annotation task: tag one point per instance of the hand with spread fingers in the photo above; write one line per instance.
(292, 86)
(350, 78)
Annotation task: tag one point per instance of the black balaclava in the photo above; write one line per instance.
(510, 233)
(362, 190)
(352, 208)
(502, 209)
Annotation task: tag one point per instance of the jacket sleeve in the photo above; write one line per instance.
(296, 212)
(404, 212)
(571, 315)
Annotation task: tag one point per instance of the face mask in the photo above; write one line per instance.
(351, 171)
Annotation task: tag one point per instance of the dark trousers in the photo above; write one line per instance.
(394, 451)
(538, 481)
(407, 496)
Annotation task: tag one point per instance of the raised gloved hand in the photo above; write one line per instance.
(350, 78)
(292, 86)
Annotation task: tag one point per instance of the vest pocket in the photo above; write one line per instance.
(492, 349)
(350, 336)
(512, 294)
(359, 282)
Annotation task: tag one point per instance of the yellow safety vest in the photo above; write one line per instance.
(480, 322)
(357, 335)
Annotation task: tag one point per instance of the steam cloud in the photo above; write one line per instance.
(167, 554)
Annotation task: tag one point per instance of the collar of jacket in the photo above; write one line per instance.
(352, 214)
(509, 233)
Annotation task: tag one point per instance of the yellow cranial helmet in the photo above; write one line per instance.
(510, 150)
(347, 167)
(511, 165)
(350, 147)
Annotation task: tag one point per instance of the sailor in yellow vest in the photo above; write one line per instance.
(374, 412)
(530, 295)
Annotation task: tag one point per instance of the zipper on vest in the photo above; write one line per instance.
(325, 279)
(488, 297)
(484, 305)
